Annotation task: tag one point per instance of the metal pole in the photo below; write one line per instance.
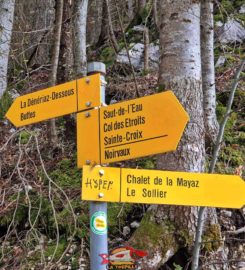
(98, 210)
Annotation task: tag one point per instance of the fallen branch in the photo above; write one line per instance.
(238, 231)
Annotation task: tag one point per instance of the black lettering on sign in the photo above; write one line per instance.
(27, 115)
(38, 100)
(169, 182)
(100, 184)
(132, 108)
(129, 122)
(130, 192)
(107, 127)
(121, 111)
(158, 181)
(109, 154)
(130, 136)
(153, 193)
(118, 125)
(88, 183)
(22, 104)
(131, 179)
(112, 139)
(62, 94)
(187, 183)
(109, 114)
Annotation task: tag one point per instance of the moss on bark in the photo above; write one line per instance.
(212, 238)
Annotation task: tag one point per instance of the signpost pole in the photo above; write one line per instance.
(98, 210)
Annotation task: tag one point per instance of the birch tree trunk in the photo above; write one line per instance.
(180, 71)
(54, 63)
(208, 72)
(6, 24)
(81, 9)
(169, 229)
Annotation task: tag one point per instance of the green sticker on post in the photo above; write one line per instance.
(98, 223)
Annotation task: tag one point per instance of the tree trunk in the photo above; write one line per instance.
(54, 64)
(167, 229)
(6, 24)
(155, 13)
(130, 9)
(94, 21)
(111, 31)
(104, 26)
(208, 73)
(66, 59)
(81, 8)
(141, 6)
(66, 62)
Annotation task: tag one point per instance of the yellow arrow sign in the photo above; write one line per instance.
(162, 187)
(131, 129)
(56, 101)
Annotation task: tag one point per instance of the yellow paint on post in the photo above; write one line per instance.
(55, 101)
(88, 138)
(97, 185)
(177, 188)
(88, 90)
(137, 128)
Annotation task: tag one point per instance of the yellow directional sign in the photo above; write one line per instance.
(56, 101)
(162, 187)
(131, 129)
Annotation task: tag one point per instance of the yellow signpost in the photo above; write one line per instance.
(56, 101)
(131, 129)
(135, 128)
(162, 187)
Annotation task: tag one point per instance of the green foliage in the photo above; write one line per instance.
(147, 163)
(24, 137)
(117, 214)
(238, 3)
(20, 216)
(51, 247)
(240, 17)
(232, 154)
(212, 238)
(108, 56)
(66, 174)
(184, 237)
(219, 17)
(233, 157)
(81, 210)
(177, 267)
(75, 263)
(225, 9)
(5, 103)
(227, 6)
(151, 234)
(161, 88)
(146, 11)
